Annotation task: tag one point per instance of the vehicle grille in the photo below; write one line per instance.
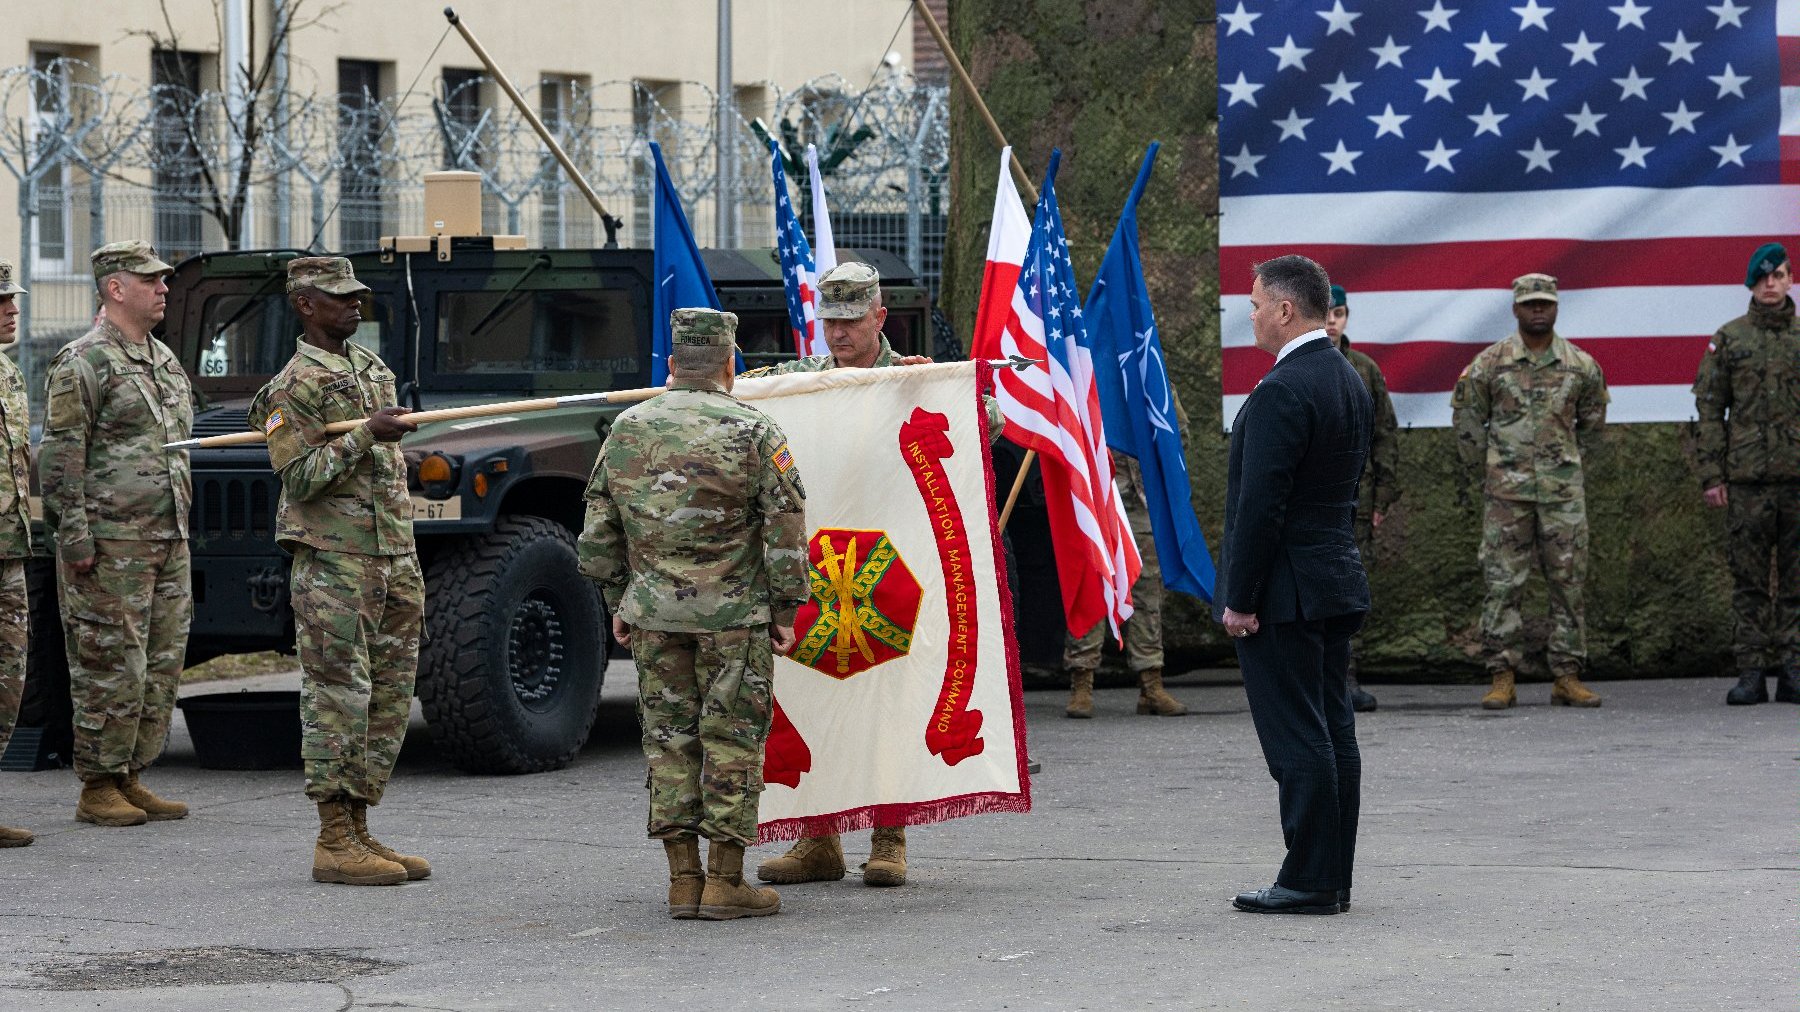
(222, 422)
(240, 506)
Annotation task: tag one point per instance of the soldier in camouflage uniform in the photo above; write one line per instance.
(1748, 396)
(1381, 487)
(1528, 411)
(851, 312)
(696, 534)
(116, 504)
(15, 527)
(358, 594)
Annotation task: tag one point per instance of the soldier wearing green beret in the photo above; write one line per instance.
(1747, 394)
(357, 591)
(1527, 413)
(1382, 486)
(15, 526)
(696, 534)
(116, 505)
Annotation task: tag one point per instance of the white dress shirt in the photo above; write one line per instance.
(1309, 336)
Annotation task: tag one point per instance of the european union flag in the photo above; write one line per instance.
(1138, 404)
(680, 277)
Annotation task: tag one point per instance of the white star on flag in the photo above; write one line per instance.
(1488, 121)
(1633, 155)
(1536, 86)
(1586, 121)
(1438, 86)
(1388, 122)
(1339, 19)
(1289, 55)
(1341, 89)
(1537, 157)
(1439, 157)
(1629, 14)
(1680, 49)
(1387, 53)
(1341, 159)
(1582, 51)
(1730, 83)
(1244, 163)
(1728, 13)
(1631, 85)
(1681, 118)
(1532, 16)
(1438, 17)
(1731, 152)
(1486, 50)
(1240, 21)
(1293, 126)
(1242, 91)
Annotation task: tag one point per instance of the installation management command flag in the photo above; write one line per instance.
(1427, 152)
(900, 704)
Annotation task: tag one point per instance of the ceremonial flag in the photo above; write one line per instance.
(1428, 153)
(1007, 239)
(1139, 405)
(824, 250)
(1054, 408)
(798, 278)
(680, 280)
(900, 703)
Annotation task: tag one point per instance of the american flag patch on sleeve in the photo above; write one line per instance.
(275, 421)
(783, 460)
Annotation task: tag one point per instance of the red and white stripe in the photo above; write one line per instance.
(810, 341)
(1056, 412)
(1787, 42)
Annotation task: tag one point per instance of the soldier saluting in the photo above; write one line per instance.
(358, 594)
(1748, 397)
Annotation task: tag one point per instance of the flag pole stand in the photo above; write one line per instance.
(968, 85)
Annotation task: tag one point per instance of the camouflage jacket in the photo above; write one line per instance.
(696, 517)
(114, 402)
(15, 475)
(344, 493)
(1383, 484)
(1531, 418)
(1748, 397)
(883, 359)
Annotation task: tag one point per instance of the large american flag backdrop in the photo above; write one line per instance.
(1427, 154)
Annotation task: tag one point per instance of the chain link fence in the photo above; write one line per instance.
(98, 158)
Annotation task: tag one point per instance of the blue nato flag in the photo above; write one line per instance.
(681, 281)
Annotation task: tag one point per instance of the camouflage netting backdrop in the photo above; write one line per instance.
(1100, 79)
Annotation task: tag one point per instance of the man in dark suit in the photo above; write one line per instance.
(1291, 586)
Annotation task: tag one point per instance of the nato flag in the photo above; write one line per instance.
(1137, 403)
(680, 275)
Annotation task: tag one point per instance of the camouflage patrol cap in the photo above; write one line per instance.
(9, 284)
(703, 328)
(1339, 297)
(1765, 261)
(847, 291)
(1534, 288)
(134, 255)
(332, 275)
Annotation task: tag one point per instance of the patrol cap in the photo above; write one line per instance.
(332, 275)
(1338, 298)
(1534, 288)
(847, 291)
(9, 284)
(1764, 261)
(134, 255)
(703, 328)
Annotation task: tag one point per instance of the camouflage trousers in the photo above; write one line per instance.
(14, 624)
(1143, 631)
(1764, 523)
(1517, 537)
(125, 623)
(705, 700)
(357, 620)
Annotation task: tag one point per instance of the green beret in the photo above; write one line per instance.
(703, 328)
(1767, 257)
(1338, 298)
(847, 291)
(331, 275)
(134, 255)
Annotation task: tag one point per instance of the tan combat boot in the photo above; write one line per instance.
(155, 809)
(886, 865)
(1081, 693)
(10, 837)
(812, 859)
(1502, 695)
(416, 867)
(686, 880)
(340, 857)
(726, 896)
(1152, 699)
(1568, 691)
(103, 805)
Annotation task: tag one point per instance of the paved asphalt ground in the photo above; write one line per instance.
(1641, 856)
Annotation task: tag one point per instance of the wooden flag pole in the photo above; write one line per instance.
(968, 84)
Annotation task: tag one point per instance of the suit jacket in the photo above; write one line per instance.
(1297, 453)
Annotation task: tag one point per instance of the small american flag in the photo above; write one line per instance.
(798, 282)
(1426, 153)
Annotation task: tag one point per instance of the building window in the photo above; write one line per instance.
(360, 204)
(461, 108)
(563, 106)
(176, 180)
(50, 240)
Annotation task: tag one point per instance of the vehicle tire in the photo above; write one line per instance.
(515, 649)
(46, 702)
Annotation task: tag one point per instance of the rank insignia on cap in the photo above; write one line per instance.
(783, 460)
(275, 421)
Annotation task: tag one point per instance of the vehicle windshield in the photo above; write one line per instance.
(535, 332)
(253, 334)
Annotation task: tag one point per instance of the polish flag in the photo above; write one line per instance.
(824, 250)
(1007, 239)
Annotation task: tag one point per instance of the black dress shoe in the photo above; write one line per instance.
(1360, 699)
(1343, 901)
(1279, 900)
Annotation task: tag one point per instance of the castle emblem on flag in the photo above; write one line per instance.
(865, 604)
